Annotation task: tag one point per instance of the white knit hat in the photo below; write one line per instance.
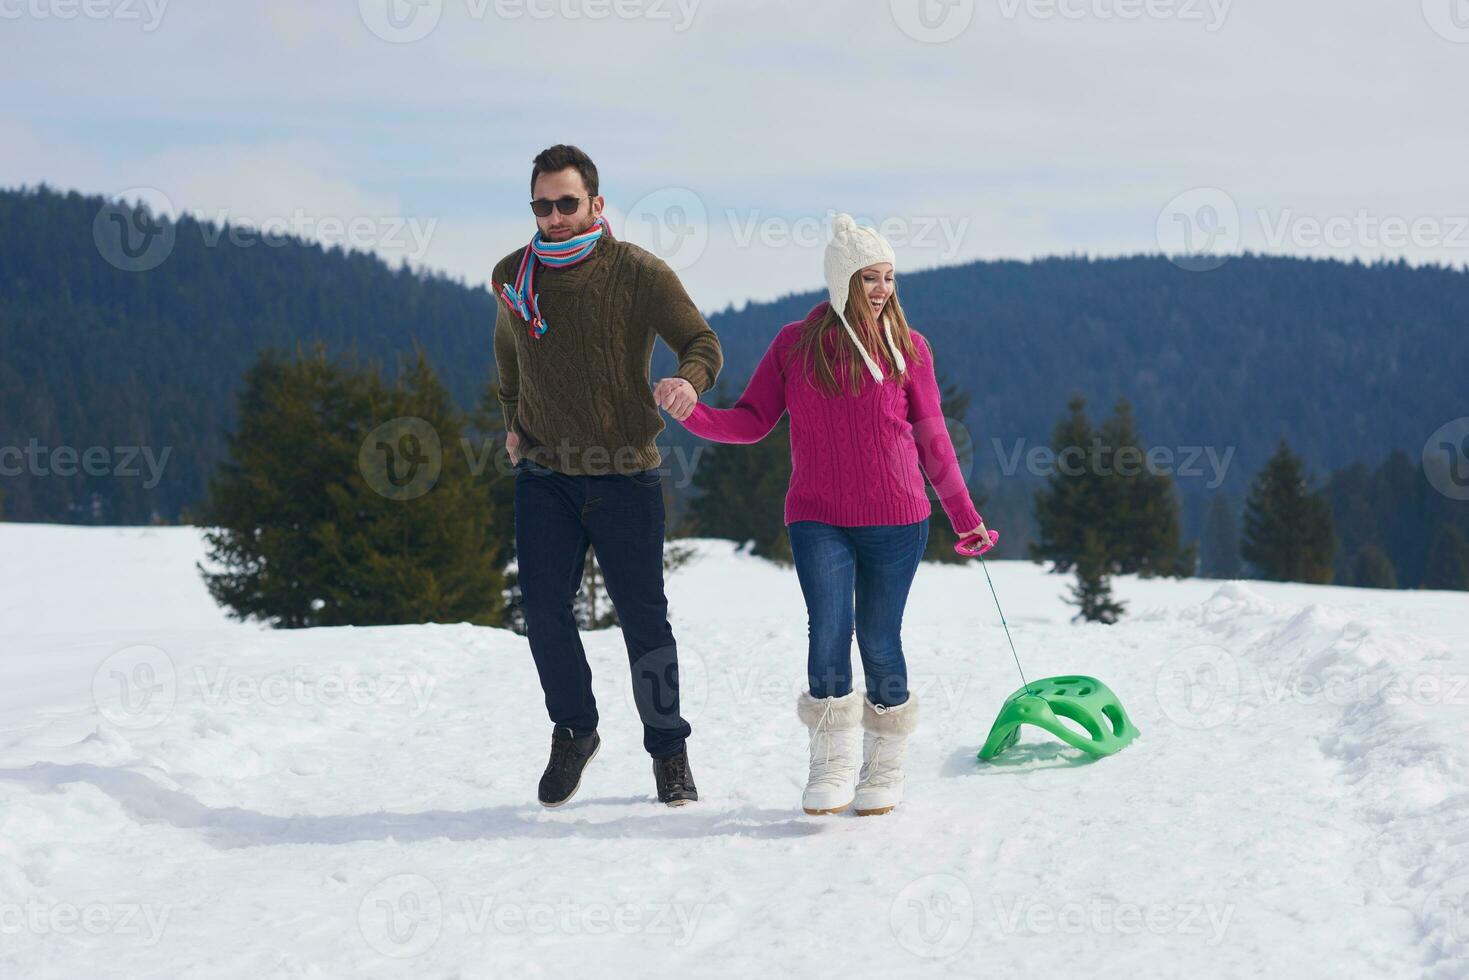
(852, 248)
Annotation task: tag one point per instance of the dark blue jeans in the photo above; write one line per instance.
(875, 566)
(621, 516)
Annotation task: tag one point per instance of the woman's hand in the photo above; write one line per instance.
(975, 542)
(512, 446)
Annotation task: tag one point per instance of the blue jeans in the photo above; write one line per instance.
(875, 566)
(556, 517)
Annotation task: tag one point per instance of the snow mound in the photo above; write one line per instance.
(183, 795)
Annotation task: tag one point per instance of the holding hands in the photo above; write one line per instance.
(676, 397)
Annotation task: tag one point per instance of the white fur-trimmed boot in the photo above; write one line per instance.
(832, 723)
(884, 744)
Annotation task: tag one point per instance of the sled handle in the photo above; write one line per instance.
(973, 552)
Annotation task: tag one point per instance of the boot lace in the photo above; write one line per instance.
(562, 752)
(824, 771)
(676, 771)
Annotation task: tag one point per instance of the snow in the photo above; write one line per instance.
(184, 795)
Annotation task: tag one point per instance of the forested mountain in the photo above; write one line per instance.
(1346, 361)
(94, 355)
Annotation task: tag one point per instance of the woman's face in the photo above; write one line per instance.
(878, 283)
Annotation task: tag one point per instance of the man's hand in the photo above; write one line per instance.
(676, 397)
(512, 446)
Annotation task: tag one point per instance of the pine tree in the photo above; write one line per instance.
(1448, 561)
(1104, 512)
(409, 552)
(1074, 497)
(1093, 589)
(1221, 539)
(1141, 532)
(1394, 507)
(348, 501)
(1101, 483)
(1372, 569)
(1289, 535)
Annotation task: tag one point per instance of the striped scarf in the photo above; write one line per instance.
(558, 255)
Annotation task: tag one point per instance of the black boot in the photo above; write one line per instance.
(569, 756)
(675, 781)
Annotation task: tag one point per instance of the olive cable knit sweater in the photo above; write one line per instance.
(579, 397)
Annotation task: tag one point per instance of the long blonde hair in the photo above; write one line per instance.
(826, 351)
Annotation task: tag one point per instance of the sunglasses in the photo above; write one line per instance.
(566, 205)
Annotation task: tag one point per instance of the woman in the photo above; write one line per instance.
(866, 427)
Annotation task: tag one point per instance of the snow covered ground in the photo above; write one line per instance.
(186, 796)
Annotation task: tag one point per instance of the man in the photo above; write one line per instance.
(577, 315)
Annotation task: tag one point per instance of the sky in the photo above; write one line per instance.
(729, 132)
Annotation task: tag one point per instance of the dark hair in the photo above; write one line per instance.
(559, 157)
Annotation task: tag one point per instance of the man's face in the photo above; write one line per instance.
(558, 227)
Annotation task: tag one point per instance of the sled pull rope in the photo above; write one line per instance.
(1025, 683)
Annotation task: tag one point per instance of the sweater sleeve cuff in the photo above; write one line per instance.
(963, 517)
(701, 423)
(695, 374)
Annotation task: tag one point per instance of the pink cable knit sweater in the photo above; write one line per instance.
(855, 460)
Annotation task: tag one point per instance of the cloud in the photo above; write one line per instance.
(1041, 128)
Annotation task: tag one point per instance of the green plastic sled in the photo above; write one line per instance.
(1084, 700)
